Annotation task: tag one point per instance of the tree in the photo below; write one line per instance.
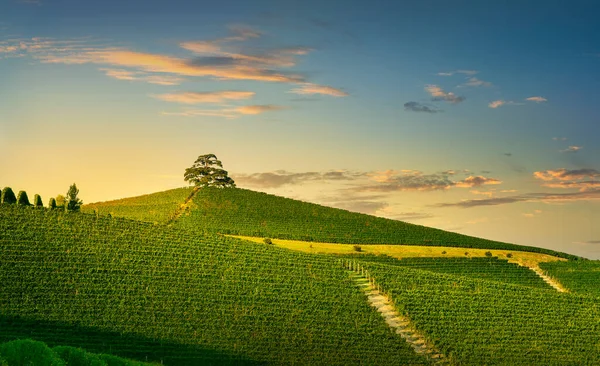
(22, 199)
(60, 202)
(37, 201)
(52, 203)
(72, 202)
(208, 171)
(8, 196)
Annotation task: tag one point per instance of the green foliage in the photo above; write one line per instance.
(208, 171)
(582, 277)
(268, 241)
(209, 298)
(357, 248)
(8, 196)
(155, 207)
(60, 201)
(29, 352)
(476, 322)
(52, 203)
(22, 199)
(72, 202)
(79, 357)
(509, 255)
(245, 212)
(488, 254)
(37, 201)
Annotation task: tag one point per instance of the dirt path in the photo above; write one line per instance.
(400, 324)
(557, 286)
(183, 207)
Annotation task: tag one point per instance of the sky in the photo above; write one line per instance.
(470, 116)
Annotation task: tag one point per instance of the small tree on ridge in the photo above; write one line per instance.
(208, 171)
(72, 202)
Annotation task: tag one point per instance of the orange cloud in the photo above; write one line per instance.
(205, 97)
(496, 104)
(258, 109)
(310, 88)
(439, 94)
(229, 113)
(537, 99)
(477, 181)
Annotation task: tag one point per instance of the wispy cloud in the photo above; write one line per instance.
(572, 149)
(528, 197)
(582, 179)
(418, 107)
(473, 81)
(214, 97)
(121, 74)
(282, 177)
(465, 72)
(499, 103)
(559, 138)
(438, 94)
(392, 181)
(310, 88)
(229, 113)
(537, 99)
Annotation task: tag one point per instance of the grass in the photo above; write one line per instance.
(526, 259)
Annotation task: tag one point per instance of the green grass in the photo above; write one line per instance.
(582, 277)
(244, 212)
(479, 322)
(155, 207)
(149, 292)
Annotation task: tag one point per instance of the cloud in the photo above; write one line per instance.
(392, 181)
(281, 177)
(476, 82)
(440, 95)
(366, 207)
(121, 74)
(559, 138)
(537, 99)
(418, 107)
(229, 113)
(478, 220)
(572, 149)
(566, 175)
(466, 72)
(310, 88)
(205, 97)
(496, 103)
(258, 109)
(528, 197)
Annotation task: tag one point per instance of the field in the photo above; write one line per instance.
(156, 281)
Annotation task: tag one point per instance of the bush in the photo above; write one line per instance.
(8, 196)
(444, 252)
(37, 201)
(357, 248)
(52, 203)
(488, 254)
(29, 352)
(77, 356)
(509, 255)
(22, 199)
(467, 254)
(268, 241)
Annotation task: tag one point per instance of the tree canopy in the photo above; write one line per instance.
(72, 202)
(208, 171)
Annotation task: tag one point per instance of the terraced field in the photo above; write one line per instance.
(581, 277)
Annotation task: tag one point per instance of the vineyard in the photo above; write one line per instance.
(155, 207)
(582, 277)
(476, 322)
(492, 269)
(244, 212)
(158, 294)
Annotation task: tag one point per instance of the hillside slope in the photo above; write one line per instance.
(153, 293)
(245, 212)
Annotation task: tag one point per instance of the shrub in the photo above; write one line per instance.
(488, 254)
(52, 203)
(467, 253)
(444, 252)
(357, 248)
(268, 241)
(8, 196)
(22, 199)
(37, 201)
(509, 255)
(77, 356)
(29, 352)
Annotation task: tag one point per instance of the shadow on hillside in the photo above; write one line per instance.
(129, 346)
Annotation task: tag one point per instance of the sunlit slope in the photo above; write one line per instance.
(245, 212)
(581, 277)
(150, 292)
(155, 207)
(477, 322)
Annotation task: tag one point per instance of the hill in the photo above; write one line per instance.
(149, 292)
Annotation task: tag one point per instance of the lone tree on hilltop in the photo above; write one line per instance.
(208, 171)
(72, 202)
(22, 199)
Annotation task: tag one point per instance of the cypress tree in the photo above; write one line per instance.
(37, 201)
(8, 196)
(52, 203)
(22, 199)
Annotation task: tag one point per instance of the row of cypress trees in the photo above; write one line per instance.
(73, 203)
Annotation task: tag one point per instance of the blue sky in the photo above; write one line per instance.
(470, 116)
